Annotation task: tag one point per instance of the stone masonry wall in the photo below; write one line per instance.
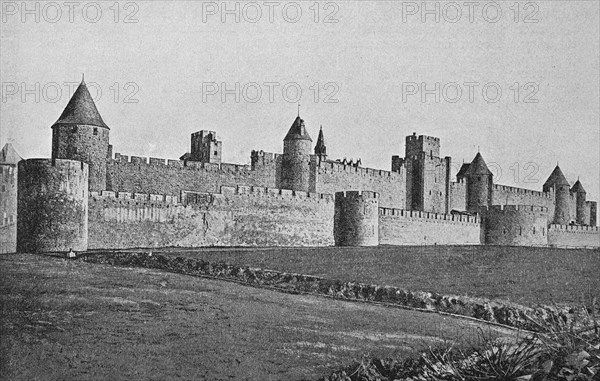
(574, 236)
(402, 227)
(153, 175)
(332, 177)
(458, 196)
(242, 216)
(507, 195)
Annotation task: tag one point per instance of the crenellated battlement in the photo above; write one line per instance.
(189, 197)
(515, 208)
(184, 165)
(334, 166)
(402, 213)
(575, 228)
(62, 165)
(358, 194)
(422, 138)
(523, 191)
(137, 197)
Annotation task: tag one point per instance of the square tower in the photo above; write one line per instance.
(427, 175)
(205, 147)
(416, 144)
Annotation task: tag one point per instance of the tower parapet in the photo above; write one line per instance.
(81, 134)
(52, 205)
(205, 148)
(356, 218)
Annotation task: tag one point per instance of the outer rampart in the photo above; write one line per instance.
(242, 216)
(515, 225)
(405, 227)
(52, 205)
(574, 236)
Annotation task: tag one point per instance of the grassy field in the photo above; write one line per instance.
(70, 320)
(522, 275)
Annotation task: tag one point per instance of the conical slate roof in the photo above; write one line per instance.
(577, 187)
(297, 131)
(478, 166)
(320, 147)
(8, 155)
(556, 178)
(463, 170)
(81, 109)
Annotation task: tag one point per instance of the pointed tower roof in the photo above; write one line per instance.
(478, 166)
(81, 109)
(463, 170)
(297, 131)
(556, 178)
(320, 147)
(577, 187)
(8, 155)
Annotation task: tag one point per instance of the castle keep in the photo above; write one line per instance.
(86, 197)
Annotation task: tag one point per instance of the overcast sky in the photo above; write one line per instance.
(370, 61)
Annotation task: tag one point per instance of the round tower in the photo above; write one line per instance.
(562, 194)
(356, 218)
(52, 205)
(81, 134)
(515, 225)
(295, 172)
(580, 209)
(479, 184)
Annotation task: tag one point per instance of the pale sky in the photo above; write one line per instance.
(367, 61)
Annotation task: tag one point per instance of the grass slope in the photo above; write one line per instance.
(522, 275)
(73, 320)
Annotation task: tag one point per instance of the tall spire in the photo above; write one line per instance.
(81, 109)
(577, 187)
(320, 148)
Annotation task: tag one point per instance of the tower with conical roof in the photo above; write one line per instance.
(320, 147)
(81, 134)
(558, 183)
(480, 184)
(295, 167)
(580, 209)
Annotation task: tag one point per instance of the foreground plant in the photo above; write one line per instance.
(562, 350)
